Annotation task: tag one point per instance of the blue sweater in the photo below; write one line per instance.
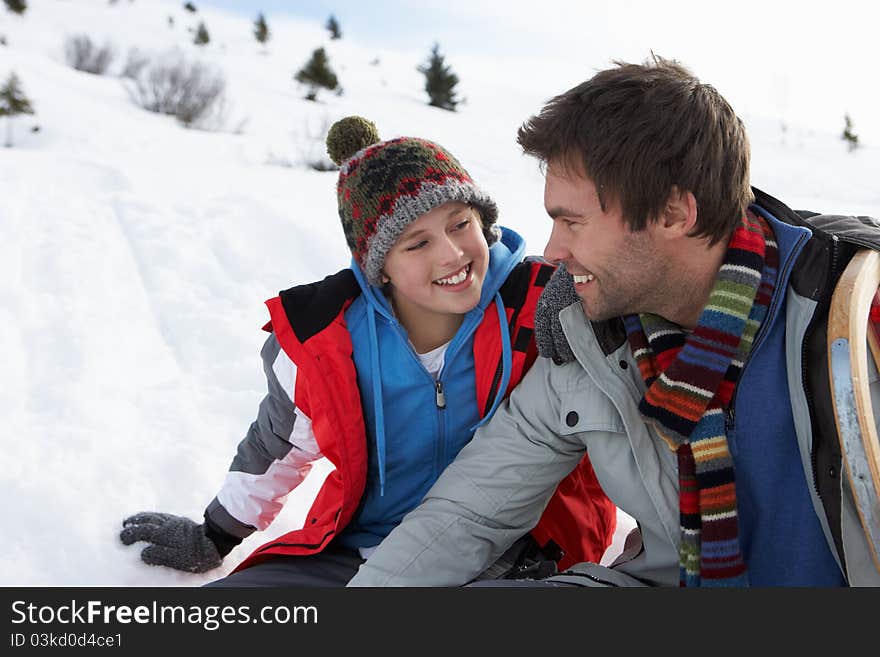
(773, 498)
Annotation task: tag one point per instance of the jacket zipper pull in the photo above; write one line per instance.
(441, 398)
(729, 418)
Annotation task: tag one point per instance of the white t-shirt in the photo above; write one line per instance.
(433, 360)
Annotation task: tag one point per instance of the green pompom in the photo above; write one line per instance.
(349, 135)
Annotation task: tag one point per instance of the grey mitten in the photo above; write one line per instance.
(559, 293)
(177, 542)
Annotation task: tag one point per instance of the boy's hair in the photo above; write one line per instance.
(638, 129)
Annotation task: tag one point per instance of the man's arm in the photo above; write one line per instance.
(493, 493)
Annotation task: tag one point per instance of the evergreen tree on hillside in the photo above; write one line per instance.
(16, 6)
(190, 7)
(202, 36)
(12, 103)
(332, 26)
(317, 74)
(440, 81)
(850, 137)
(261, 29)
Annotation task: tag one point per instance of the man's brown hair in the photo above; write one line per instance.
(637, 130)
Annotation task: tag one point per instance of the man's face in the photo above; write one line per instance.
(616, 271)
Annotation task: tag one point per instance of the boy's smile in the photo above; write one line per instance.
(456, 280)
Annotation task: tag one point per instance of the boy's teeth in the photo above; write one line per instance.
(583, 279)
(454, 280)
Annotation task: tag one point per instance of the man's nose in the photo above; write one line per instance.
(555, 251)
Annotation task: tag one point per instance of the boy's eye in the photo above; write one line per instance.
(462, 224)
(416, 246)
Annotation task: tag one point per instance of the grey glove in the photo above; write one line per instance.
(559, 293)
(177, 542)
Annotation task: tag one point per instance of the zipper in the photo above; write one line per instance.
(854, 240)
(493, 389)
(729, 431)
(440, 448)
(814, 465)
(441, 398)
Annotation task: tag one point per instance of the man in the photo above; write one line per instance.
(683, 348)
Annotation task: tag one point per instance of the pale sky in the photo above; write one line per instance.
(803, 62)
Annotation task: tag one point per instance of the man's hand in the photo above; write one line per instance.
(177, 542)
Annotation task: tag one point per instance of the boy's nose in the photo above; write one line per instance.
(451, 251)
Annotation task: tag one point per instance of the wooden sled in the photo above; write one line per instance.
(849, 330)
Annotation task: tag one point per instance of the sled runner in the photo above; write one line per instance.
(854, 321)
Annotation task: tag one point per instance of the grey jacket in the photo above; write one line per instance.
(587, 400)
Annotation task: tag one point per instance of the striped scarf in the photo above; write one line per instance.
(690, 382)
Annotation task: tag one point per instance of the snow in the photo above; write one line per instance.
(135, 256)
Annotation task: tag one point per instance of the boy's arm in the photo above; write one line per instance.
(273, 458)
(493, 493)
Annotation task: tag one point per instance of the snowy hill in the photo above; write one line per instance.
(135, 255)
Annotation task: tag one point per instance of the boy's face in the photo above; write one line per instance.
(440, 261)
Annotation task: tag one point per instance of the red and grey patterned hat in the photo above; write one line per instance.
(386, 185)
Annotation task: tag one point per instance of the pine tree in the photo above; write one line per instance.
(850, 137)
(317, 74)
(190, 7)
(440, 81)
(261, 29)
(332, 26)
(13, 102)
(202, 36)
(16, 6)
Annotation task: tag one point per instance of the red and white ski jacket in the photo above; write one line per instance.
(313, 411)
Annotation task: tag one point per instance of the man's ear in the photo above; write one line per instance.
(679, 215)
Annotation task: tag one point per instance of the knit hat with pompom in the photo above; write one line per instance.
(386, 185)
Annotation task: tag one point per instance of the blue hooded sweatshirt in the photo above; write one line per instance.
(415, 425)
